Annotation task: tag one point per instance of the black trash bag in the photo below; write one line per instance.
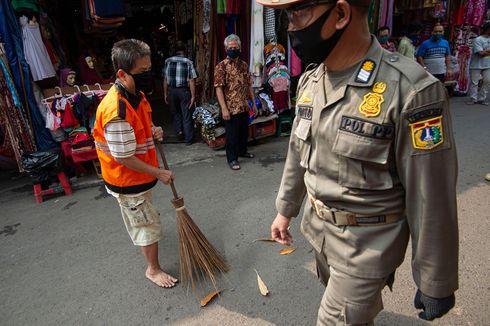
(42, 165)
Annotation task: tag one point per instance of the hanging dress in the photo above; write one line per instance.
(35, 51)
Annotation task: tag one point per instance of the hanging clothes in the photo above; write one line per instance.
(475, 12)
(11, 34)
(295, 63)
(36, 54)
(269, 24)
(257, 42)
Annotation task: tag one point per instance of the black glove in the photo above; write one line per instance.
(433, 308)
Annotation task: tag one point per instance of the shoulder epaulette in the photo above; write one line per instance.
(121, 109)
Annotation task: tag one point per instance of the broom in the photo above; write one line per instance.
(198, 257)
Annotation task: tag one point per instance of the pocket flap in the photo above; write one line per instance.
(131, 202)
(362, 148)
(303, 129)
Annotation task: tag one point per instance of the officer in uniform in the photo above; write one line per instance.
(372, 150)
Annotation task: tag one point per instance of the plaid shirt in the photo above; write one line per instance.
(178, 71)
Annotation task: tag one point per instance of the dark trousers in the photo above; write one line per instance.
(179, 99)
(236, 136)
(441, 77)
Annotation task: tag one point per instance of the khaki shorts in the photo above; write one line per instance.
(141, 219)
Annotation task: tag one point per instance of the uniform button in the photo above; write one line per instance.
(394, 58)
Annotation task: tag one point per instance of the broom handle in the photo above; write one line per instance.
(165, 165)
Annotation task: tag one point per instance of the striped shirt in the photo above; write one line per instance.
(178, 71)
(120, 138)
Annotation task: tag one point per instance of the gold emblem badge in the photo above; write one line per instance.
(368, 65)
(305, 97)
(379, 87)
(371, 106)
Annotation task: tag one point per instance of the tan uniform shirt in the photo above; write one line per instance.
(377, 142)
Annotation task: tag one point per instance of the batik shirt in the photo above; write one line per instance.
(234, 78)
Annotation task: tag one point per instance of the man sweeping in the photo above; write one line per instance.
(124, 134)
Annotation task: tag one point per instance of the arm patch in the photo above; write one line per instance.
(424, 115)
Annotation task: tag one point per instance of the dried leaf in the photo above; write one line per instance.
(262, 287)
(287, 251)
(265, 239)
(209, 297)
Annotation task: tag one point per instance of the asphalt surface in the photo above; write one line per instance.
(69, 260)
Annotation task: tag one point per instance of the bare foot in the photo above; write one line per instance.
(161, 278)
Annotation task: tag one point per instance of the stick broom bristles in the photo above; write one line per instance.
(199, 260)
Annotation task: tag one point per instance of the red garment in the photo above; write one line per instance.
(295, 64)
(233, 7)
(88, 76)
(476, 11)
(281, 101)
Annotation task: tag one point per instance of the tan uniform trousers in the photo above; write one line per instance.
(348, 300)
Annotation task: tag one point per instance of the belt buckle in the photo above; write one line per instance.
(319, 209)
(322, 210)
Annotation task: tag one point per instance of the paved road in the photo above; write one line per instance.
(69, 260)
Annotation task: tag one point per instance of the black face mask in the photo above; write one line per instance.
(308, 43)
(143, 82)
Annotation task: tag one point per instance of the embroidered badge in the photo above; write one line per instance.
(427, 134)
(366, 71)
(379, 88)
(424, 114)
(366, 128)
(305, 112)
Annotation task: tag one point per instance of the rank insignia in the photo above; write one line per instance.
(427, 134)
(365, 71)
(305, 97)
(379, 87)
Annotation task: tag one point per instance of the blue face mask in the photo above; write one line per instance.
(233, 53)
(383, 39)
(436, 37)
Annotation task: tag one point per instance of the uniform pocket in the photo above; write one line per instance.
(303, 133)
(361, 314)
(363, 161)
(137, 210)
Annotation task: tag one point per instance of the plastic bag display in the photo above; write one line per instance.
(42, 165)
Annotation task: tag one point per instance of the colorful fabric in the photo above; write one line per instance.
(295, 64)
(178, 71)
(475, 11)
(221, 7)
(233, 76)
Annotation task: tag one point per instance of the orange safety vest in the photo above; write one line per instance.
(119, 178)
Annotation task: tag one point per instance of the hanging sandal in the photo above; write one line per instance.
(247, 155)
(234, 165)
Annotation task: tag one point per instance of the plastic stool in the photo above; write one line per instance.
(284, 120)
(64, 186)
